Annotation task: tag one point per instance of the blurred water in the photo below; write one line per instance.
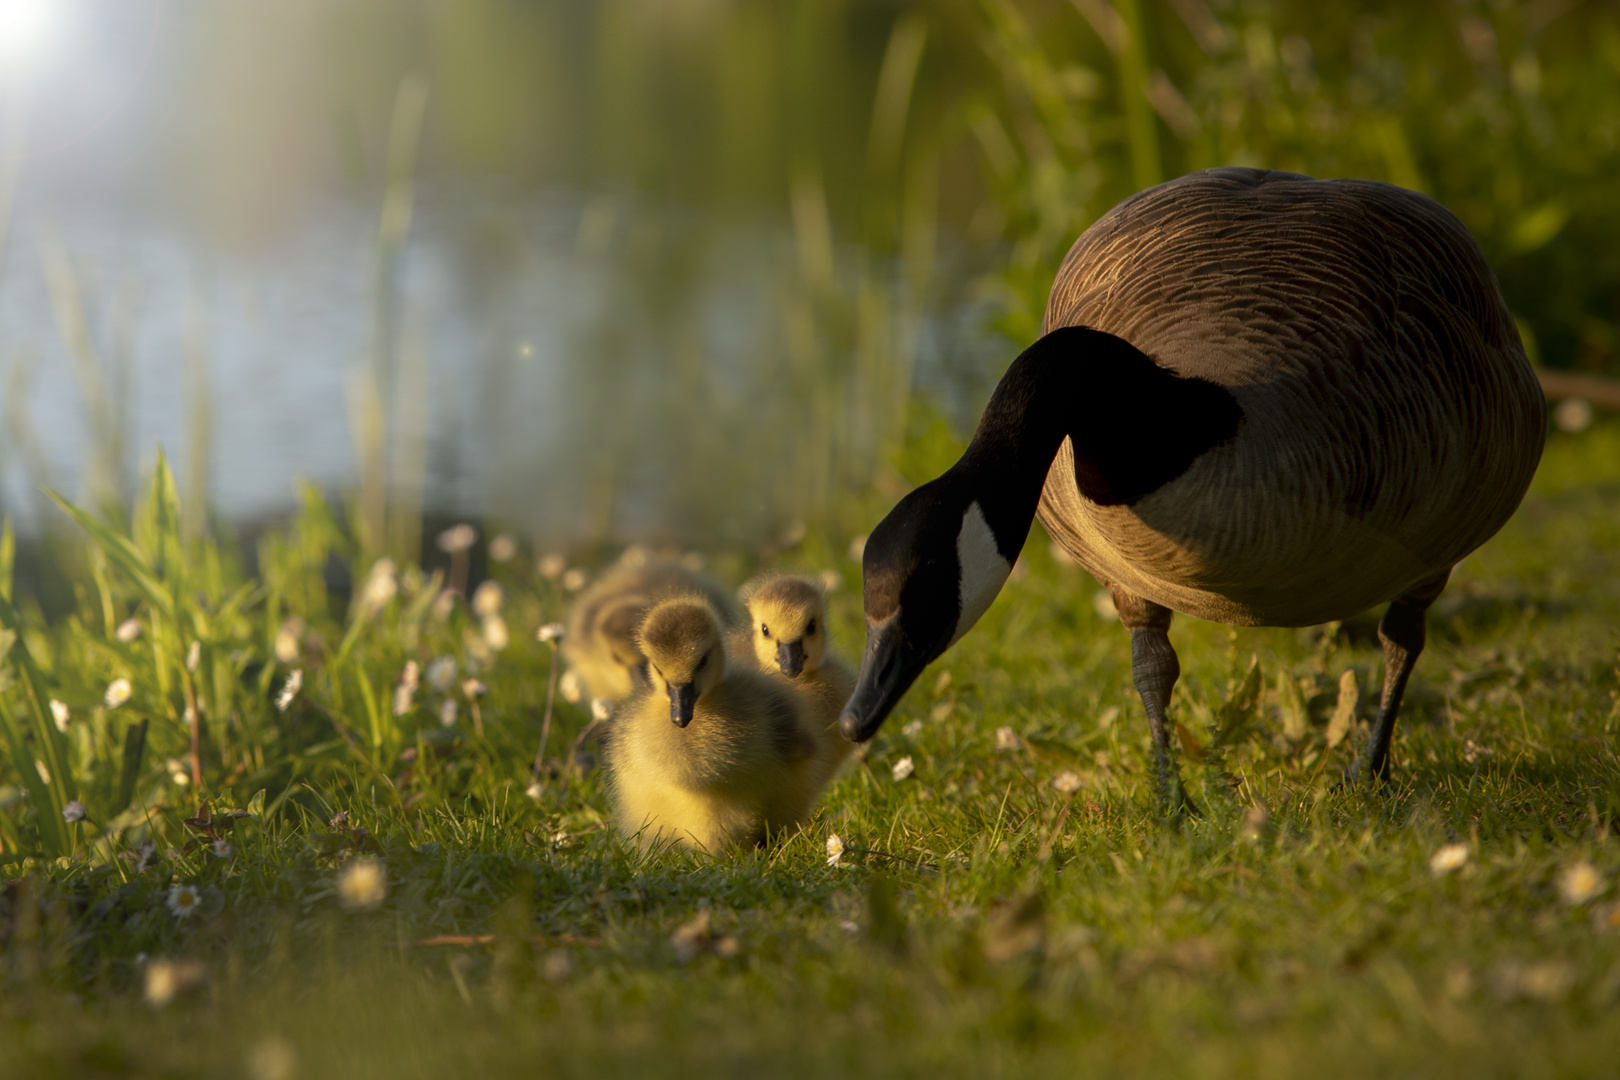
(551, 325)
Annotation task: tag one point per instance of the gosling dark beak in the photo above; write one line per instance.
(682, 700)
(885, 677)
(790, 657)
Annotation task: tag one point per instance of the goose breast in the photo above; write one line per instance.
(1391, 421)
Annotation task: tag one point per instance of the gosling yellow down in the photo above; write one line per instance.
(711, 755)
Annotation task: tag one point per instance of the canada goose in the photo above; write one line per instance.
(1259, 399)
(709, 755)
(786, 634)
(600, 646)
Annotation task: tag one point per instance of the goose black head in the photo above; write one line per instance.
(685, 654)
(930, 569)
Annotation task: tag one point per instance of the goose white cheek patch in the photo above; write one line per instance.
(984, 571)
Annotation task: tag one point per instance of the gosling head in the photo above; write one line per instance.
(686, 656)
(789, 624)
(618, 625)
(930, 569)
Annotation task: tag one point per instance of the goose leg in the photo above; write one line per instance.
(1155, 669)
(1402, 632)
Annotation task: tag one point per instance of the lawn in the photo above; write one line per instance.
(983, 918)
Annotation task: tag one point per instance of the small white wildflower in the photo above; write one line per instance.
(535, 791)
(60, 714)
(1449, 858)
(904, 768)
(550, 631)
(441, 673)
(1579, 882)
(448, 711)
(184, 900)
(128, 630)
(380, 586)
(289, 689)
(1102, 602)
(73, 811)
(118, 692)
(602, 709)
(474, 688)
(574, 579)
(857, 547)
(194, 656)
(487, 598)
(912, 729)
(362, 885)
(287, 639)
(552, 564)
(1067, 781)
(569, 687)
(503, 548)
(495, 632)
(168, 979)
(1007, 739)
(223, 848)
(835, 849)
(44, 773)
(560, 837)
(457, 538)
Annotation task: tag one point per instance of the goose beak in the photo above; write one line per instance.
(790, 657)
(884, 679)
(682, 700)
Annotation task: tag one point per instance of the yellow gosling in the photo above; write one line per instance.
(786, 635)
(600, 645)
(711, 755)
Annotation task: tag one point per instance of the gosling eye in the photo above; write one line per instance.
(763, 629)
(811, 628)
(703, 663)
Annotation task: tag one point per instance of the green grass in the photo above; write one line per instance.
(981, 924)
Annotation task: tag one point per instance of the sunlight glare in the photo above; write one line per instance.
(27, 28)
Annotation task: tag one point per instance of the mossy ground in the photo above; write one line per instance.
(981, 923)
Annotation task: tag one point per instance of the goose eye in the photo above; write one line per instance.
(763, 629)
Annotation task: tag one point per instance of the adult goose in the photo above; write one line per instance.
(1259, 399)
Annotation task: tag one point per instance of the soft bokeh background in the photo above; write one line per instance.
(686, 270)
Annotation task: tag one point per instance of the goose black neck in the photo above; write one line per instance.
(1135, 427)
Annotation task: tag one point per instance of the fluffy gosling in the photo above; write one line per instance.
(787, 636)
(711, 755)
(600, 645)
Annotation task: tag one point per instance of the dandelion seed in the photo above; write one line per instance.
(184, 900)
(223, 848)
(118, 692)
(441, 673)
(1007, 739)
(495, 633)
(289, 689)
(574, 579)
(857, 547)
(835, 850)
(602, 709)
(1579, 882)
(287, 640)
(60, 714)
(1449, 858)
(1067, 781)
(194, 657)
(128, 630)
(550, 631)
(552, 564)
(569, 687)
(535, 791)
(487, 598)
(904, 768)
(457, 538)
(448, 712)
(73, 811)
(503, 548)
(362, 885)
(912, 729)
(474, 688)
(168, 979)
(380, 586)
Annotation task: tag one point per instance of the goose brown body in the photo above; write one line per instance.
(1391, 422)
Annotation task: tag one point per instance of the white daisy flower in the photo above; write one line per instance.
(441, 673)
(448, 712)
(1007, 739)
(457, 538)
(474, 688)
(184, 900)
(128, 630)
(535, 791)
(552, 564)
(835, 849)
(118, 692)
(487, 598)
(570, 688)
(904, 768)
(495, 632)
(550, 631)
(362, 885)
(503, 548)
(1067, 781)
(602, 709)
(1449, 858)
